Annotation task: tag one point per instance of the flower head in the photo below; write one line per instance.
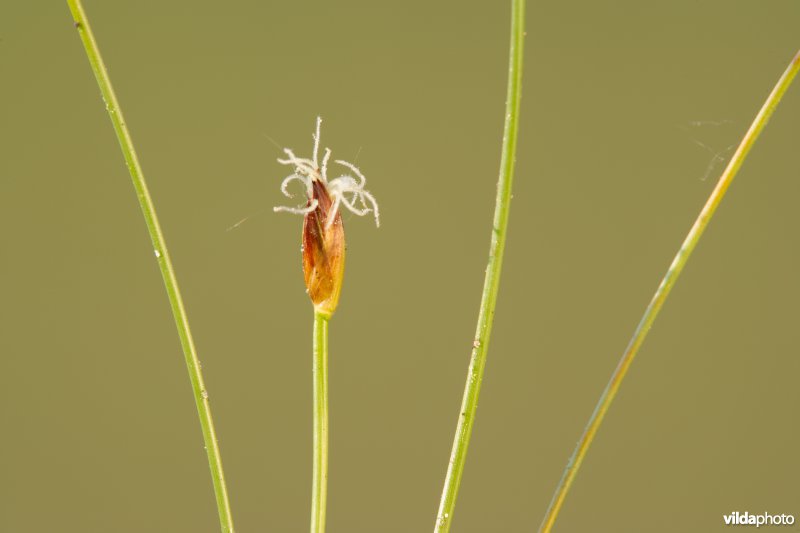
(323, 233)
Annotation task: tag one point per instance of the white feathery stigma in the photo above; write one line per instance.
(345, 190)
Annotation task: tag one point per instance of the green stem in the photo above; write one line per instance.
(164, 263)
(469, 403)
(663, 291)
(319, 483)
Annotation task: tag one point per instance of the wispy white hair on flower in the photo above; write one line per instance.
(346, 190)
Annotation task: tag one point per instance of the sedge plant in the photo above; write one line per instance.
(323, 259)
(323, 252)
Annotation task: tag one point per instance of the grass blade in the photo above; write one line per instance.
(164, 263)
(663, 291)
(469, 404)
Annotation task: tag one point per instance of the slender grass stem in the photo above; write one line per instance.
(663, 291)
(469, 403)
(164, 263)
(319, 483)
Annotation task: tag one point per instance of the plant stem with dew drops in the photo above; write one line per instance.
(164, 263)
(469, 404)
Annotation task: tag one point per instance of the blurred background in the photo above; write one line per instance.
(630, 111)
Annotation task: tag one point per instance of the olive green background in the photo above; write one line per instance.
(625, 106)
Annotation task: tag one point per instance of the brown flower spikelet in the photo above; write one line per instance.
(323, 252)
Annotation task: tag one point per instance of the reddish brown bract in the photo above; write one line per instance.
(323, 252)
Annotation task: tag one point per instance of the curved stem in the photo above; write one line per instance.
(319, 480)
(663, 291)
(469, 403)
(164, 263)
